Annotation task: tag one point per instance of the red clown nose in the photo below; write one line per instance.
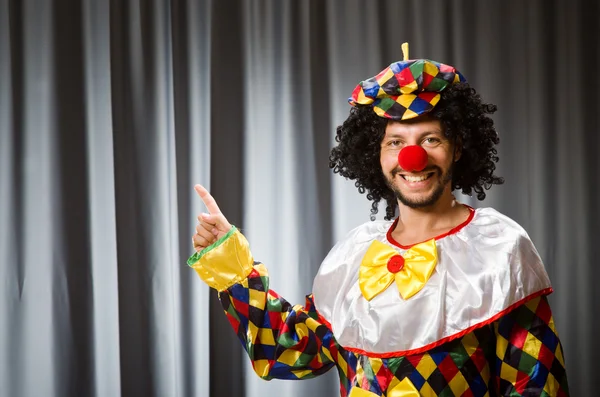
(412, 158)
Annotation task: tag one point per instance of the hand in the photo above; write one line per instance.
(211, 226)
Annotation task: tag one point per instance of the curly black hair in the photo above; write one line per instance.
(464, 118)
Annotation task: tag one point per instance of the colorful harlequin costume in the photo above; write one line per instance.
(464, 314)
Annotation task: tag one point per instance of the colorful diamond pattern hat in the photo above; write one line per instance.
(405, 89)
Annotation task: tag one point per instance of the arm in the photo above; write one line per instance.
(282, 341)
(529, 356)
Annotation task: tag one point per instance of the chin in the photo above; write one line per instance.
(422, 200)
(417, 203)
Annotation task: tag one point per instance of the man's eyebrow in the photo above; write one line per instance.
(422, 134)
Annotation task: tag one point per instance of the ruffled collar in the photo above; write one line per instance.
(486, 267)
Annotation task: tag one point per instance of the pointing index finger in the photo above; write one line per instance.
(208, 200)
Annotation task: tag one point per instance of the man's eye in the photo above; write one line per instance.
(432, 141)
(395, 143)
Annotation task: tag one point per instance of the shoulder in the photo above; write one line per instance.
(366, 231)
(493, 230)
(362, 234)
(339, 269)
(491, 222)
(504, 246)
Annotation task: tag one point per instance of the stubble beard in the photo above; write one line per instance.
(422, 202)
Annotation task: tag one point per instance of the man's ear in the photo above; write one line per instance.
(457, 149)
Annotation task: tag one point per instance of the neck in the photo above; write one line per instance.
(427, 222)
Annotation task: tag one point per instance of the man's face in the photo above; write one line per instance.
(423, 188)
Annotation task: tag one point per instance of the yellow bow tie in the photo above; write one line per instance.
(382, 265)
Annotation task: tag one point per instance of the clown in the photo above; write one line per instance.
(438, 299)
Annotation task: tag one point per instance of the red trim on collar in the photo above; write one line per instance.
(451, 231)
(423, 349)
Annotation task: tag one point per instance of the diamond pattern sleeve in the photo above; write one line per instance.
(282, 341)
(529, 355)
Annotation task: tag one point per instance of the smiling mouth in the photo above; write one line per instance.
(417, 178)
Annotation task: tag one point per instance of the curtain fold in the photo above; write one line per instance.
(227, 100)
(104, 347)
(110, 112)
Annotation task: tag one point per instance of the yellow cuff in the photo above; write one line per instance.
(224, 263)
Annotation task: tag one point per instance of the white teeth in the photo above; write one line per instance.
(415, 178)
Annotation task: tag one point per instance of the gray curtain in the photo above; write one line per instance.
(105, 126)
(111, 111)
